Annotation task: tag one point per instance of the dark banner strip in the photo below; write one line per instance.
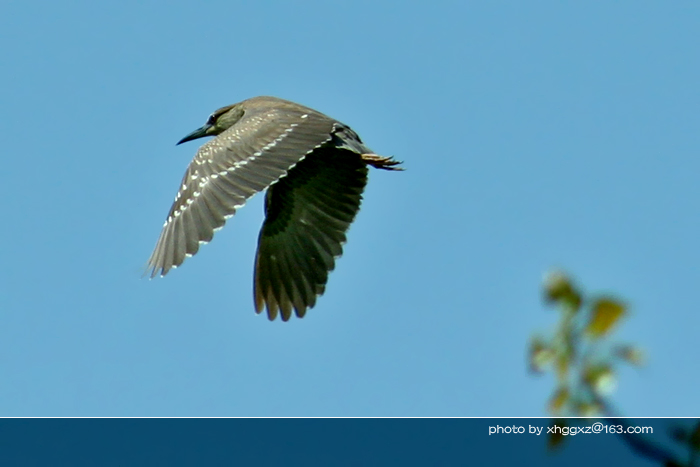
(332, 442)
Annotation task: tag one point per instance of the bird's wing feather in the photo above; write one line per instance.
(227, 170)
(308, 213)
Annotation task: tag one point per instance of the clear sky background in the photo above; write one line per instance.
(535, 135)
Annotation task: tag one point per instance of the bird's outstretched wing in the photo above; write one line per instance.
(227, 170)
(308, 213)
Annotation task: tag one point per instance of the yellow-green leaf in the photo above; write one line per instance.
(559, 289)
(562, 367)
(589, 409)
(540, 355)
(558, 400)
(606, 312)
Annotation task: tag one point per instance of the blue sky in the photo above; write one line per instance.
(538, 135)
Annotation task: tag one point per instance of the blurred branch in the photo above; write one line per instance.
(584, 360)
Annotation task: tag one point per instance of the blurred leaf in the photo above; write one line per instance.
(559, 400)
(606, 312)
(601, 379)
(694, 438)
(558, 289)
(680, 434)
(589, 409)
(540, 355)
(630, 354)
(562, 367)
(556, 438)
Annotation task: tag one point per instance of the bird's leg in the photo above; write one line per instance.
(381, 162)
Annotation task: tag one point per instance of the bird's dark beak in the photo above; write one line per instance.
(198, 133)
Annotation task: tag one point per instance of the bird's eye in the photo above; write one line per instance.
(211, 119)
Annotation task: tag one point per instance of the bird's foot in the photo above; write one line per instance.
(381, 162)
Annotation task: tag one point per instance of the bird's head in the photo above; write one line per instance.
(221, 120)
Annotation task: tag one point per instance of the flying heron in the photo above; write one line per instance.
(314, 169)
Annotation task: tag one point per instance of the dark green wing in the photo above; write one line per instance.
(308, 213)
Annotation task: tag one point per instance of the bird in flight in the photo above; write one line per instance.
(314, 169)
